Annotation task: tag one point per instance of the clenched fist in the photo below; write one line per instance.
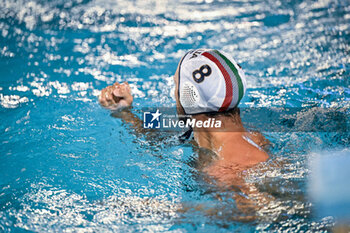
(116, 96)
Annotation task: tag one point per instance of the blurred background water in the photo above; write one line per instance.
(67, 165)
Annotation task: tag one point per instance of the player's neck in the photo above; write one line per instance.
(214, 138)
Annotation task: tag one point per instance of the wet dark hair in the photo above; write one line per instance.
(231, 112)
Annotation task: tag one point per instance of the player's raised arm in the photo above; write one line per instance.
(116, 96)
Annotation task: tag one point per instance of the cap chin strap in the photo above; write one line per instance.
(185, 136)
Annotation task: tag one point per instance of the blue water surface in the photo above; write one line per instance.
(66, 165)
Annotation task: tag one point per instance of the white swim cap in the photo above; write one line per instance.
(209, 81)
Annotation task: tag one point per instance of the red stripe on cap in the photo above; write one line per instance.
(228, 83)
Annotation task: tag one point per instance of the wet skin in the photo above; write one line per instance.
(231, 145)
(234, 153)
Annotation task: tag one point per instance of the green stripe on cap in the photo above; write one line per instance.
(235, 71)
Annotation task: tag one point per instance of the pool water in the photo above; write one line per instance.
(67, 165)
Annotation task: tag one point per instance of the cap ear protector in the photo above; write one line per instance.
(209, 81)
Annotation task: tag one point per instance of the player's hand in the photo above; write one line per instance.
(115, 96)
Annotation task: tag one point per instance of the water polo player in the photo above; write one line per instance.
(208, 84)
